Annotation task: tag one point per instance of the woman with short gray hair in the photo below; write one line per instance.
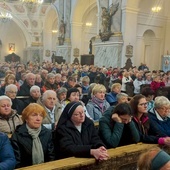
(160, 117)
(9, 119)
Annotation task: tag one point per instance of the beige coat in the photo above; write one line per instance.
(8, 125)
(57, 113)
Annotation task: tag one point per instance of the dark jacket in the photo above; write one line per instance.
(24, 89)
(22, 145)
(7, 158)
(18, 105)
(111, 98)
(71, 142)
(143, 127)
(158, 127)
(116, 134)
(29, 100)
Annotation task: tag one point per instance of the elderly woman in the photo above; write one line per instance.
(77, 136)
(97, 105)
(49, 83)
(32, 142)
(9, 119)
(139, 106)
(111, 97)
(116, 127)
(159, 117)
(17, 104)
(35, 94)
(61, 95)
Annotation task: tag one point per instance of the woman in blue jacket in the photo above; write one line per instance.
(7, 158)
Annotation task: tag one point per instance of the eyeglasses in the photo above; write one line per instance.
(143, 104)
(165, 108)
(13, 92)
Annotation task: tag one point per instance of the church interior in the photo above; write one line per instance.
(77, 29)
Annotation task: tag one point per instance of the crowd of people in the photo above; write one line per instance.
(54, 111)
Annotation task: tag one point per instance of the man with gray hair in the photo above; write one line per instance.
(28, 83)
(52, 107)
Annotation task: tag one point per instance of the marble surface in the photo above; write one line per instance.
(65, 52)
(108, 56)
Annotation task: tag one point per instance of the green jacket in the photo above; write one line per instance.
(116, 134)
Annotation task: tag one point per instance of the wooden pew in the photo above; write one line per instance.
(121, 158)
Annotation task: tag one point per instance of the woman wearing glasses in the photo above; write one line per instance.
(139, 106)
(77, 136)
(159, 117)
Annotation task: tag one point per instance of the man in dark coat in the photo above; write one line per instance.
(28, 83)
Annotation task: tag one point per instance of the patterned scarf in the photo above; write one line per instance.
(99, 103)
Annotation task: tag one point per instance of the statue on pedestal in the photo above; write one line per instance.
(62, 32)
(106, 17)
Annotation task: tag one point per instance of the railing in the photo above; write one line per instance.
(121, 158)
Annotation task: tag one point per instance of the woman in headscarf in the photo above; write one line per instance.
(77, 136)
(32, 142)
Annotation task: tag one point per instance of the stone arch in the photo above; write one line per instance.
(149, 34)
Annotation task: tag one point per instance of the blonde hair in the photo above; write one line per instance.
(32, 108)
(145, 159)
(98, 88)
(85, 79)
(115, 85)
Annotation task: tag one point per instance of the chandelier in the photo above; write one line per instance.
(156, 9)
(5, 16)
(32, 1)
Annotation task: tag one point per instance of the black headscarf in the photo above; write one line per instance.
(67, 112)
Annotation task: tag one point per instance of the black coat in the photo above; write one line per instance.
(24, 89)
(29, 100)
(18, 105)
(71, 142)
(22, 145)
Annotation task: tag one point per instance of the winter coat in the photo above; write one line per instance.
(22, 145)
(143, 127)
(8, 125)
(111, 98)
(94, 110)
(115, 134)
(71, 142)
(7, 157)
(18, 105)
(24, 89)
(57, 113)
(159, 126)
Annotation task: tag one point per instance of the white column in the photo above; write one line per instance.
(76, 37)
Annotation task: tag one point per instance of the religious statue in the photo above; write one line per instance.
(106, 17)
(61, 32)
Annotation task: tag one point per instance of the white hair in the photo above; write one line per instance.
(5, 98)
(47, 93)
(11, 86)
(34, 87)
